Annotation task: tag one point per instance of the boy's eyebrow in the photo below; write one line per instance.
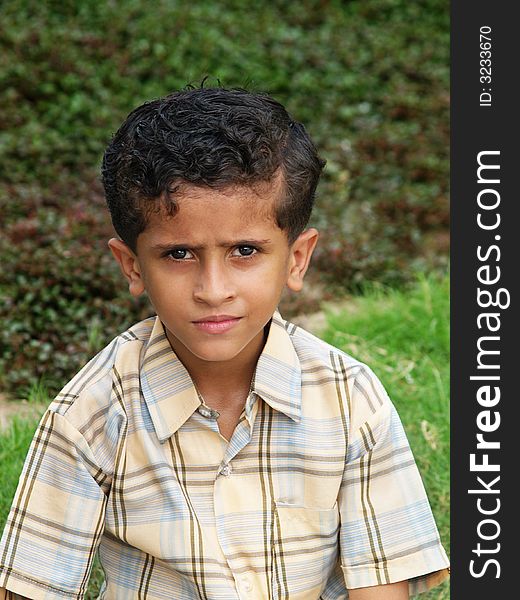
(223, 244)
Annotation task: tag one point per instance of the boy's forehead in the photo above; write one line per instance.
(261, 196)
(242, 204)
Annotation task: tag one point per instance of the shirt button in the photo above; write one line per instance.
(208, 412)
(226, 470)
(247, 585)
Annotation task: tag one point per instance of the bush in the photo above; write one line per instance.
(369, 78)
(61, 297)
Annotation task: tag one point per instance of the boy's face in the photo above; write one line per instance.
(215, 271)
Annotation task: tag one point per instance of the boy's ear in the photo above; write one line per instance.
(299, 258)
(129, 265)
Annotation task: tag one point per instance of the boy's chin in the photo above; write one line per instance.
(222, 353)
(217, 353)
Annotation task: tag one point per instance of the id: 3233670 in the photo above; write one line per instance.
(485, 65)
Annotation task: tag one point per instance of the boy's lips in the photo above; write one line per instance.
(216, 323)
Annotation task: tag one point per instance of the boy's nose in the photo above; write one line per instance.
(214, 287)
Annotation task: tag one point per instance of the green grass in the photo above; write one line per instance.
(14, 443)
(404, 337)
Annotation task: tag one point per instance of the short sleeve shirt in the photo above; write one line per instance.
(317, 490)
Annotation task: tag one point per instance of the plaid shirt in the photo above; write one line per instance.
(316, 492)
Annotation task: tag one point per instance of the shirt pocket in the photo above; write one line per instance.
(306, 548)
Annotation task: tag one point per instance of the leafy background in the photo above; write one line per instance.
(368, 78)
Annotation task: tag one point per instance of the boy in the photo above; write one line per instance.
(216, 451)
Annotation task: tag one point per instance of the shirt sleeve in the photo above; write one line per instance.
(388, 532)
(57, 516)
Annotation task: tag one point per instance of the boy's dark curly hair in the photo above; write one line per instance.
(212, 137)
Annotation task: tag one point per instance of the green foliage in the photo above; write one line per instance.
(62, 300)
(369, 78)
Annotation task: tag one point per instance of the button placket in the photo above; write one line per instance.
(228, 487)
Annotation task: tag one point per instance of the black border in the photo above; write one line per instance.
(476, 128)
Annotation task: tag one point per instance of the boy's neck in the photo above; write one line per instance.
(223, 388)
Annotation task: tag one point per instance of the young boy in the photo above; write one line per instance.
(215, 450)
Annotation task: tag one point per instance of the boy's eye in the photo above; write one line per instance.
(180, 254)
(244, 251)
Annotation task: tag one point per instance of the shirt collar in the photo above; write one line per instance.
(171, 397)
(277, 378)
